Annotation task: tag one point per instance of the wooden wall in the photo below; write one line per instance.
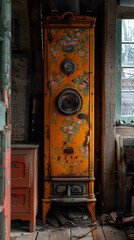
(20, 12)
(108, 105)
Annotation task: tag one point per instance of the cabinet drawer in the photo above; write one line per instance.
(20, 170)
(20, 200)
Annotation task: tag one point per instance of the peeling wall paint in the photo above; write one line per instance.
(5, 129)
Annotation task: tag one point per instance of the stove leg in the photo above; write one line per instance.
(46, 207)
(91, 209)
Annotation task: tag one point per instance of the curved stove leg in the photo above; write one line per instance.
(46, 207)
(91, 209)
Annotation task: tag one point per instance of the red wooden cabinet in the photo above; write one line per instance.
(24, 173)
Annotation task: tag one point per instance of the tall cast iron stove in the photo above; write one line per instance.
(69, 111)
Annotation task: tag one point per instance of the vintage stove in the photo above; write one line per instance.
(69, 111)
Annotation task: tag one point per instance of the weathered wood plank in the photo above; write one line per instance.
(44, 235)
(111, 233)
(81, 233)
(30, 236)
(98, 234)
(54, 234)
(108, 107)
(60, 234)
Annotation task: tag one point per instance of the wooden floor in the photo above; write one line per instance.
(74, 233)
(59, 226)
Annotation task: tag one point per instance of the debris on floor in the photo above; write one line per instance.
(106, 219)
(69, 216)
(121, 220)
(124, 220)
(130, 235)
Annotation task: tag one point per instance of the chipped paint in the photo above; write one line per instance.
(2, 115)
(5, 132)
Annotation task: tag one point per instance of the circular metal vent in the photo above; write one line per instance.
(69, 102)
(68, 66)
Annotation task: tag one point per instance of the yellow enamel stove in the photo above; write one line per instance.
(69, 112)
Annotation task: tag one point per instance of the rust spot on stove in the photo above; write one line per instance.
(59, 158)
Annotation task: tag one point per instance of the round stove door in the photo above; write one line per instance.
(69, 102)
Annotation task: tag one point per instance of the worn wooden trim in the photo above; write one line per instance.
(46, 109)
(125, 12)
(91, 159)
(108, 92)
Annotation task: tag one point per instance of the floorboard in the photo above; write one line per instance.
(30, 236)
(112, 233)
(98, 234)
(55, 234)
(43, 235)
(81, 233)
(60, 234)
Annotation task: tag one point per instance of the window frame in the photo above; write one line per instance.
(119, 42)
